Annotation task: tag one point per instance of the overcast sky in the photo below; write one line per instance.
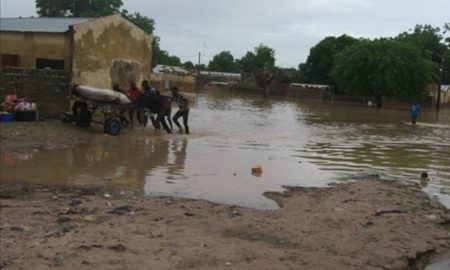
(291, 27)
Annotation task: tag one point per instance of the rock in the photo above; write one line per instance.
(107, 196)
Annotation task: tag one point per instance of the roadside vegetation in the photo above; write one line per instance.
(398, 66)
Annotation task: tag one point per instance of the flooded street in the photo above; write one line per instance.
(297, 143)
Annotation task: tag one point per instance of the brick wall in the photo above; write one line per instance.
(49, 89)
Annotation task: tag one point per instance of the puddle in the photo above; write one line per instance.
(442, 265)
(296, 143)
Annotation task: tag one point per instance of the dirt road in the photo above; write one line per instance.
(363, 224)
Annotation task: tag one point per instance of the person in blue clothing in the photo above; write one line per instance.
(415, 112)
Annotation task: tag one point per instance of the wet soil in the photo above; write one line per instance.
(363, 224)
(18, 138)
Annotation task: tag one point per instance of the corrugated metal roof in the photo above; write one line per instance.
(169, 69)
(220, 74)
(48, 25)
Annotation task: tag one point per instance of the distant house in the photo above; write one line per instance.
(165, 69)
(96, 51)
(164, 77)
(226, 76)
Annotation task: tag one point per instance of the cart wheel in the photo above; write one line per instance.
(66, 117)
(112, 126)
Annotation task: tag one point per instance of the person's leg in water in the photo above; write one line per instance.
(413, 119)
(175, 119)
(185, 120)
(185, 115)
(140, 114)
(123, 119)
(130, 116)
(160, 119)
(169, 117)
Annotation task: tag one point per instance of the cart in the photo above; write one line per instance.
(83, 109)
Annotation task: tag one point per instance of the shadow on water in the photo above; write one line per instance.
(296, 143)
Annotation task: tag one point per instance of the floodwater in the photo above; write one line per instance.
(297, 143)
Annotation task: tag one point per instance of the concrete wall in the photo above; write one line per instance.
(186, 83)
(29, 46)
(110, 50)
(48, 88)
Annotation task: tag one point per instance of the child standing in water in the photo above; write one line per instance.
(183, 104)
(415, 112)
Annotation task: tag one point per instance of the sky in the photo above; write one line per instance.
(290, 27)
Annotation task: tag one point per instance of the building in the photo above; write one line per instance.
(96, 51)
(164, 77)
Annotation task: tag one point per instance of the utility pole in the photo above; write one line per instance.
(198, 75)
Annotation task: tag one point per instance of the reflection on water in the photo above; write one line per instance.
(296, 142)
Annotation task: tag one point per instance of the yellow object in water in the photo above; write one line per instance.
(257, 169)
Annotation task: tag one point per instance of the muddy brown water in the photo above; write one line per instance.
(297, 143)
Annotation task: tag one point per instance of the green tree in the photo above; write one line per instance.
(447, 31)
(188, 65)
(263, 57)
(383, 67)
(201, 67)
(51, 8)
(162, 57)
(77, 8)
(223, 62)
(321, 59)
(287, 75)
(145, 23)
(247, 62)
(428, 39)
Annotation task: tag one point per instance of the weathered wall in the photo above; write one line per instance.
(48, 88)
(29, 46)
(110, 50)
(186, 83)
(294, 91)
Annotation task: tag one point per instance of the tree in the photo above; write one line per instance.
(224, 62)
(200, 67)
(188, 65)
(77, 8)
(263, 57)
(247, 62)
(51, 8)
(321, 59)
(383, 67)
(428, 40)
(162, 57)
(145, 23)
(287, 75)
(447, 30)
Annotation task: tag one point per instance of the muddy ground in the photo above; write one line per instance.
(363, 224)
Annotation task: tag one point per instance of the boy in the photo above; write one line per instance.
(183, 104)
